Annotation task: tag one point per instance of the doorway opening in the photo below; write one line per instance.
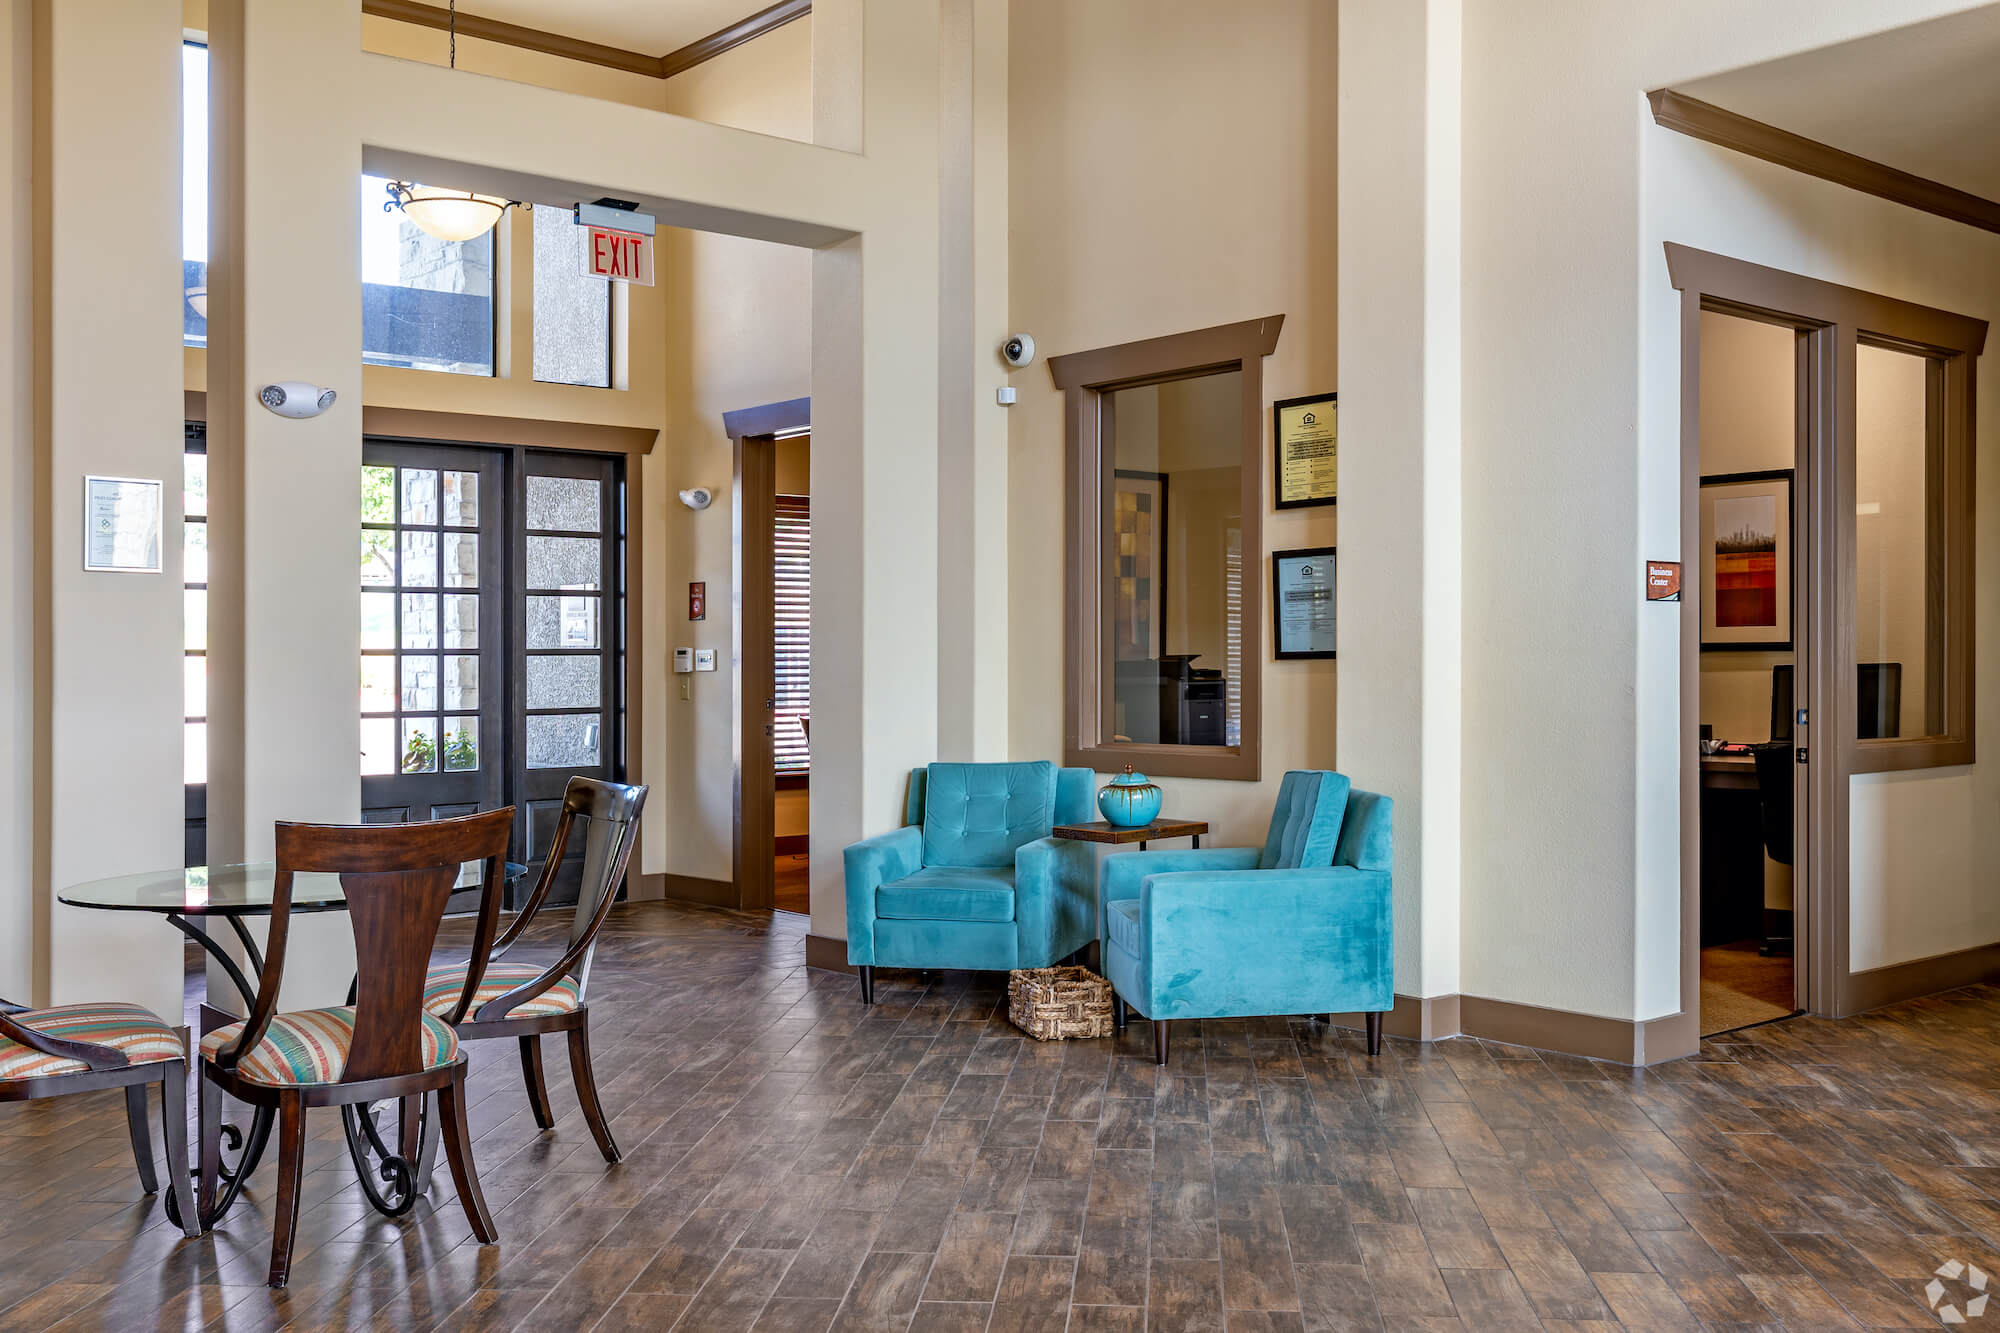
(772, 558)
(1830, 632)
(1749, 542)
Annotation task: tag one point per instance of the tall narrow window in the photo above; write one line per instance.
(194, 194)
(572, 310)
(792, 636)
(426, 304)
(194, 542)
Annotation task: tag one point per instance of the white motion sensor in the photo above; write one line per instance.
(296, 398)
(697, 498)
(1019, 349)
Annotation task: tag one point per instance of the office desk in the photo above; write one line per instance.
(1729, 772)
(1732, 850)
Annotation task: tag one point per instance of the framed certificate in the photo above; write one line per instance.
(1302, 603)
(121, 524)
(1306, 443)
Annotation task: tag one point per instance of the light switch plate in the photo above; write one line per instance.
(704, 659)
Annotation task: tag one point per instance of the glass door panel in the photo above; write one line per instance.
(568, 556)
(430, 565)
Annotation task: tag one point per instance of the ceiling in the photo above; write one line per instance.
(1922, 98)
(653, 27)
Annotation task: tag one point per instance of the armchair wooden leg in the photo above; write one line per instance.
(291, 1177)
(174, 1127)
(458, 1151)
(142, 1136)
(1160, 1026)
(538, 1088)
(867, 984)
(1117, 1013)
(586, 1090)
(1375, 1033)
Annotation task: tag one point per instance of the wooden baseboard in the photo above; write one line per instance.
(1425, 1018)
(1435, 1017)
(694, 889)
(1920, 976)
(645, 888)
(825, 952)
(792, 844)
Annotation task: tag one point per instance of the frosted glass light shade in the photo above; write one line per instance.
(451, 215)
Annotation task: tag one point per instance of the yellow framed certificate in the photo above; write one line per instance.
(1306, 442)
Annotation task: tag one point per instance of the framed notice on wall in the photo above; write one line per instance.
(121, 524)
(1306, 443)
(1302, 603)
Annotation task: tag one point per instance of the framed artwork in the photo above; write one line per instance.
(1302, 603)
(1139, 564)
(1746, 561)
(1306, 445)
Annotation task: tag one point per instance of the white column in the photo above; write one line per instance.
(1400, 532)
(875, 458)
(107, 394)
(285, 271)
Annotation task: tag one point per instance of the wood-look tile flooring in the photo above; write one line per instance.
(794, 1161)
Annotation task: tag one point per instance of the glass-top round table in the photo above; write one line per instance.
(229, 890)
(233, 892)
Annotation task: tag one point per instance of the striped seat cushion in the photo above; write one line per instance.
(126, 1027)
(311, 1046)
(447, 981)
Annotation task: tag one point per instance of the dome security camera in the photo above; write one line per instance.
(294, 398)
(1019, 349)
(698, 497)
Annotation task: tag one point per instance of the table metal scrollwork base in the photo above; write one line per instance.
(401, 1181)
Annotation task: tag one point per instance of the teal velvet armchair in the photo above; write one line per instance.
(1299, 926)
(973, 880)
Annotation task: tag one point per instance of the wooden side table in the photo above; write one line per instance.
(1145, 833)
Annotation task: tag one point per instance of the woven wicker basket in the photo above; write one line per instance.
(1056, 1003)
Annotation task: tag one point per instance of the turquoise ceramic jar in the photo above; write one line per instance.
(1129, 800)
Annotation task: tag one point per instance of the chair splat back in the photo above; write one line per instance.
(397, 878)
(610, 813)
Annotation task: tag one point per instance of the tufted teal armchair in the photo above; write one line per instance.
(973, 879)
(1299, 926)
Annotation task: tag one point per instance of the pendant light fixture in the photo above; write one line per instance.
(449, 215)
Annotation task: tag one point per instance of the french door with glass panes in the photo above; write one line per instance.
(569, 564)
(492, 584)
(433, 571)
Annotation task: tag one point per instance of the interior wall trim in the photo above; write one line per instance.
(413, 423)
(1713, 124)
(555, 44)
(828, 953)
(1922, 976)
(695, 889)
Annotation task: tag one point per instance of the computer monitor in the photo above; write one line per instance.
(1781, 703)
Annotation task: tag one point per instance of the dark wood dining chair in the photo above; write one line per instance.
(397, 879)
(75, 1048)
(524, 1000)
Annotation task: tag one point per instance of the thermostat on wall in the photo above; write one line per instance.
(704, 659)
(683, 660)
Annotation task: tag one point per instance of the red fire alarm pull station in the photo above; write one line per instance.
(1663, 580)
(697, 601)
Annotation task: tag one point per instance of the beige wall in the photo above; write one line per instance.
(1747, 392)
(1139, 209)
(17, 511)
(738, 335)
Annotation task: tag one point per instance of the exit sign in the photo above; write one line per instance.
(620, 256)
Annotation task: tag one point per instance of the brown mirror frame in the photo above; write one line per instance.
(1084, 378)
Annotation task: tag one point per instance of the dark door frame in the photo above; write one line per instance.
(1828, 319)
(753, 436)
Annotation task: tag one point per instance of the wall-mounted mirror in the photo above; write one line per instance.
(1165, 550)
